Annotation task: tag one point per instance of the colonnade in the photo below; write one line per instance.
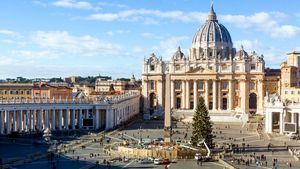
(284, 117)
(25, 120)
(28, 117)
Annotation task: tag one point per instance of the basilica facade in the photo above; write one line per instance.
(229, 80)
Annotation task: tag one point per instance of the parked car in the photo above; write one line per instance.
(157, 161)
(178, 141)
(144, 161)
(165, 161)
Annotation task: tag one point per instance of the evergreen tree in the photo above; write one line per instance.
(202, 127)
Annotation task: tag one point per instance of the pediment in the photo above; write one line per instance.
(201, 70)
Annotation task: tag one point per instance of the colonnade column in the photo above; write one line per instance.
(108, 119)
(60, 119)
(206, 94)
(73, 119)
(292, 117)
(21, 120)
(97, 119)
(32, 123)
(53, 120)
(1, 122)
(214, 95)
(267, 122)
(66, 119)
(46, 119)
(281, 120)
(230, 97)
(195, 94)
(187, 100)
(80, 118)
(27, 120)
(7, 122)
(182, 94)
(172, 94)
(14, 121)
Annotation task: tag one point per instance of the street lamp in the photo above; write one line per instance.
(140, 130)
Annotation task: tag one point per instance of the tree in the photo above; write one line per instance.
(202, 127)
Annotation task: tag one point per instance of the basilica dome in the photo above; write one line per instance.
(212, 36)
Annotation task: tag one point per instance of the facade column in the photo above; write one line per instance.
(260, 95)
(281, 120)
(73, 119)
(214, 95)
(146, 96)
(21, 120)
(219, 95)
(172, 94)
(182, 94)
(80, 118)
(187, 102)
(160, 95)
(7, 114)
(1, 122)
(230, 95)
(195, 94)
(206, 94)
(243, 96)
(14, 121)
(60, 119)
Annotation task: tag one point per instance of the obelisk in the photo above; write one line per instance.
(167, 127)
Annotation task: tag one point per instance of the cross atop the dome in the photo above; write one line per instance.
(212, 15)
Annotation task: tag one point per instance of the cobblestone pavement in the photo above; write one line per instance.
(225, 134)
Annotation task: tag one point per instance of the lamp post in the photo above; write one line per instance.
(140, 130)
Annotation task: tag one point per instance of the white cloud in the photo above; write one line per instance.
(120, 32)
(40, 3)
(8, 32)
(266, 22)
(249, 45)
(147, 14)
(74, 4)
(64, 42)
(151, 35)
(168, 46)
(5, 60)
(29, 54)
(273, 56)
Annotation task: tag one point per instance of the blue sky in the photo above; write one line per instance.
(60, 38)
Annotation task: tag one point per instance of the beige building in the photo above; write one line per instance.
(290, 77)
(229, 80)
(16, 90)
(103, 85)
(85, 88)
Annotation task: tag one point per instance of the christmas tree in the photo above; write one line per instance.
(202, 127)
